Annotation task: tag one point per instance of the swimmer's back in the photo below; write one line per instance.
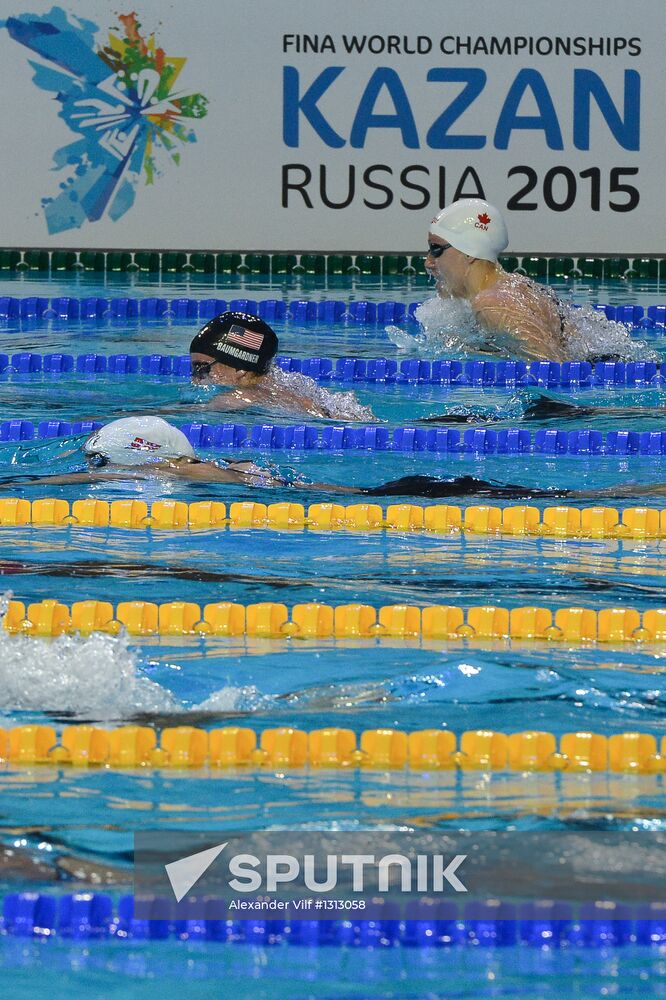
(527, 316)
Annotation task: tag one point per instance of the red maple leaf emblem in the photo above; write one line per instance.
(484, 219)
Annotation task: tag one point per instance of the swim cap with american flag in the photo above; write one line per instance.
(238, 339)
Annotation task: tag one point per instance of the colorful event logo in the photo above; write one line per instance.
(120, 99)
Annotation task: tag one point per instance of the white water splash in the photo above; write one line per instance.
(336, 405)
(595, 334)
(403, 340)
(447, 315)
(304, 392)
(450, 325)
(96, 676)
(235, 699)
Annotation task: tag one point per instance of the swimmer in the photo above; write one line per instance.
(540, 407)
(149, 447)
(136, 447)
(464, 243)
(236, 350)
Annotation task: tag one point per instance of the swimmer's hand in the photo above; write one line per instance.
(401, 339)
(226, 401)
(327, 487)
(123, 472)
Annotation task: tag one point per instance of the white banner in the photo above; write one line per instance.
(316, 125)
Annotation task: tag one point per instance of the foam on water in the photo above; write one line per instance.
(450, 325)
(594, 334)
(336, 405)
(99, 676)
(235, 699)
(446, 325)
(292, 393)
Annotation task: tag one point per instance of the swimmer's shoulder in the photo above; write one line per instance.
(497, 307)
(203, 471)
(515, 307)
(512, 290)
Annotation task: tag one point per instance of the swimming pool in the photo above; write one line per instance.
(75, 824)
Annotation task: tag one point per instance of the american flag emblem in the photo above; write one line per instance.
(244, 338)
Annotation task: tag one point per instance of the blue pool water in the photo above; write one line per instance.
(302, 974)
(74, 827)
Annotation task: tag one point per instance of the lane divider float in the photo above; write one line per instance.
(98, 917)
(553, 441)
(271, 620)
(460, 374)
(332, 747)
(443, 519)
(98, 309)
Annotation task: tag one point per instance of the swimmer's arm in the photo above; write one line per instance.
(622, 490)
(650, 490)
(329, 488)
(67, 479)
(226, 401)
(209, 472)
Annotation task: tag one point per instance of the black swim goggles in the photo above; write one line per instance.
(437, 249)
(200, 369)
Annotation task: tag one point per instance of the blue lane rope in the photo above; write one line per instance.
(93, 916)
(459, 374)
(95, 309)
(305, 437)
(474, 440)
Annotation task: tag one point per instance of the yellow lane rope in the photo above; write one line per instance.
(284, 748)
(173, 515)
(272, 620)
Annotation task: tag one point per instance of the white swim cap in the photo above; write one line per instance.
(472, 226)
(137, 440)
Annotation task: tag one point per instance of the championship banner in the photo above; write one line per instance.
(316, 125)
